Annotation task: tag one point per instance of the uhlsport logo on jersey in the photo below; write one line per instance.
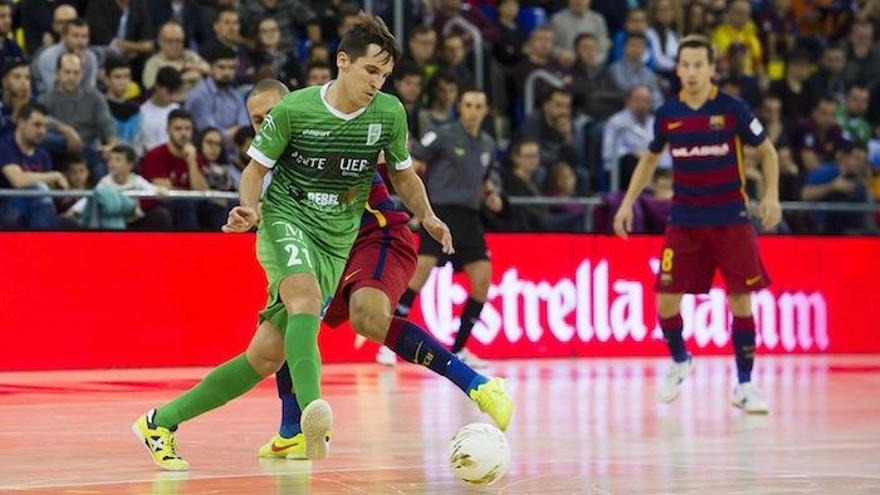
(708, 150)
(374, 132)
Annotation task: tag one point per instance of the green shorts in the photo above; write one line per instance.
(285, 249)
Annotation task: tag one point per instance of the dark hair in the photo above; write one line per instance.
(847, 146)
(635, 35)
(66, 160)
(441, 76)
(347, 9)
(318, 64)
(179, 113)
(857, 85)
(126, 151)
(243, 134)
(798, 56)
(470, 89)
(517, 147)
(13, 63)
(420, 30)
(557, 91)
(169, 78)
(369, 30)
(31, 108)
(200, 139)
(266, 85)
(732, 81)
(113, 62)
(78, 22)
(225, 10)
(826, 98)
(584, 36)
(697, 41)
(408, 68)
(6, 3)
(219, 52)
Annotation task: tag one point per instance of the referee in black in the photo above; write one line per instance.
(456, 161)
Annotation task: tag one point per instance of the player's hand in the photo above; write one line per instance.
(241, 219)
(440, 232)
(190, 153)
(60, 180)
(843, 185)
(494, 202)
(623, 221)
(771, 213)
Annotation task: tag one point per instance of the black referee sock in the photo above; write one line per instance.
(469, 317)
(404, 306)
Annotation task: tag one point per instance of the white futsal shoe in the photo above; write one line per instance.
(670, 384)
(386, 356)
(470, 359)
(747, 398)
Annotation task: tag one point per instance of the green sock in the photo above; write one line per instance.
(221, 385)
(303, 357)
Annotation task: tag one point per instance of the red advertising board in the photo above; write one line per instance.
(104, 300)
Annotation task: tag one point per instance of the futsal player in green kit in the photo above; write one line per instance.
(322, 144)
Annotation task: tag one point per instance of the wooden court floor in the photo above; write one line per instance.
(581, 426)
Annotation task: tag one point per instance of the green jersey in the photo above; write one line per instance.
(323, 161)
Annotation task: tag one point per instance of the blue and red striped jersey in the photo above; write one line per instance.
(707, 158)
(379, 211)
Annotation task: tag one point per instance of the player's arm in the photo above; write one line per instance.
(769, 209)
(640, 179)
(247, 214)
(266, 148)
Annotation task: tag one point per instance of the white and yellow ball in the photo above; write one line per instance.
(479, 454)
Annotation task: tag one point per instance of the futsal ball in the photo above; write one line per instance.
(479, 454)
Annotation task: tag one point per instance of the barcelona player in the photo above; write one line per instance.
(709, 225)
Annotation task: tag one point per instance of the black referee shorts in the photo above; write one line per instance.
(468, 237)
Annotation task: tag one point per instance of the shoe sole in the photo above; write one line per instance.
(143, 442)
(742, 408)
(316, 421)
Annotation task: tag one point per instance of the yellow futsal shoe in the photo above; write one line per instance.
(160, 443)
(493, 400)
(285, 448)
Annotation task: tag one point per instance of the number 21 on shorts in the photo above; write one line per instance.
(294, 251)
(666, 260)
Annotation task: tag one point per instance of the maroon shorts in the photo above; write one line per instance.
(691, 254)
(384, 259)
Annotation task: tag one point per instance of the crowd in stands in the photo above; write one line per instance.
(149, 95)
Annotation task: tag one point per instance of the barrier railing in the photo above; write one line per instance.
(589, 203)
(529, 88)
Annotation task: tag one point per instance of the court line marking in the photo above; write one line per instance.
(778, 473)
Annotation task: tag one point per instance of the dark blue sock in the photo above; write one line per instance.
(469, 316)
(290, 411)
(743, 337)
(404, 304)
(672, 328)
(413, 344)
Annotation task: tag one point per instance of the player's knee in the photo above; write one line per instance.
(369, 323)
(264, 362)
(740, 304)
(668, 304)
